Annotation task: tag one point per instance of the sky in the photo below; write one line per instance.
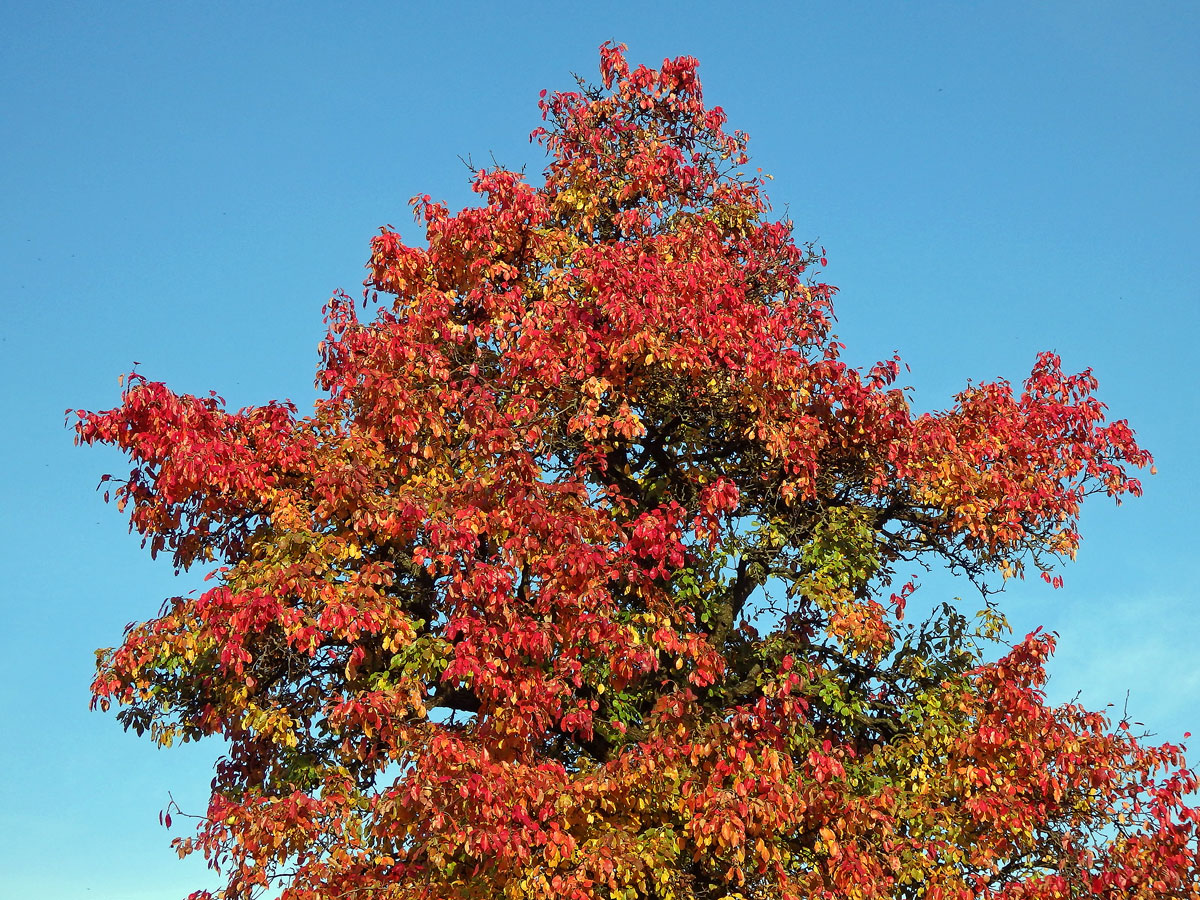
(184, 186)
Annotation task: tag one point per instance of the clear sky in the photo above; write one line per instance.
(184, 185)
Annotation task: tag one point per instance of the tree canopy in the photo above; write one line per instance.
(586, 577)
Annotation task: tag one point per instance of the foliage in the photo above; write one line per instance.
(583, 577)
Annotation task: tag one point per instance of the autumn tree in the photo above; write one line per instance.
(586, 577)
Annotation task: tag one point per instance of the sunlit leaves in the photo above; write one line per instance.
(587, 575)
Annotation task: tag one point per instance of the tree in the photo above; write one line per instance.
(586, 577)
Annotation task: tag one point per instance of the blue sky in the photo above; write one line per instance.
(185, 185)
